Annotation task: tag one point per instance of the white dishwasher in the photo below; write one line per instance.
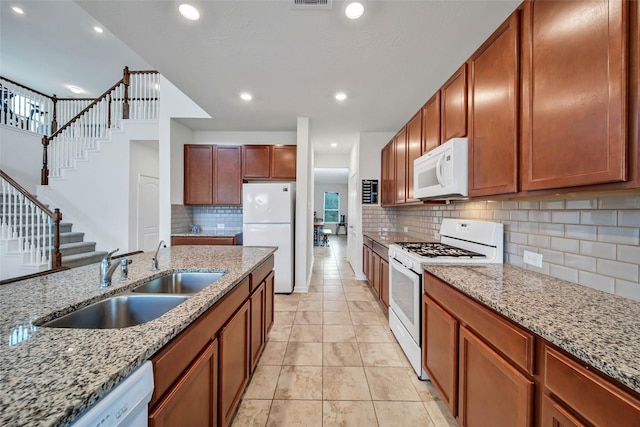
(125, 405)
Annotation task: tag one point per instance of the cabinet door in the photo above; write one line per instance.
(384, 282)
(574, 93)
(400, 177)
(256, 161)
(554, 415)
(198, 174)
(283, 162)
(257, 323)
(228, 176)
(414, 149)
(440, 351)
(234, 363)
(454, 105)
(493, 112)
(193, 400)
(269, 300)
(491, 391)
(375, 273)
(388, 170)
(431, 123)
(202, 240)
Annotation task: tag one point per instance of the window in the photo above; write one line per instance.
(331, 207)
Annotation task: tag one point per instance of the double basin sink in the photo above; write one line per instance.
(146, 302)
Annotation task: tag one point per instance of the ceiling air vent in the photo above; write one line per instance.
(312, 4)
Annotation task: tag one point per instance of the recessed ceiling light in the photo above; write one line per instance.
(75, 89)
(341, 96)
(98, 29)
(17, 10)
(189, 12)
(354, 10)
(246, 96)
(333, 144)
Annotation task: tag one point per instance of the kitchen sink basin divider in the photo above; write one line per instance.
(29, 227)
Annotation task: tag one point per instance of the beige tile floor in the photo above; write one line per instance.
(331, 360)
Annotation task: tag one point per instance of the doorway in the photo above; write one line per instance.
(148, 223)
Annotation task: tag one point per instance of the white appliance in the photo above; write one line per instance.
(442, 173)
(125, 405)
(461, 242)
(268, 212)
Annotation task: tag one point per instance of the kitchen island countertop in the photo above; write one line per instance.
(52, 375)
(597, 327)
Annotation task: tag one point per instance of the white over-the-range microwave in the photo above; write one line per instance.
(442, 173)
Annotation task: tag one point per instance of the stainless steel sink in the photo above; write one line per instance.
(118, 312)
(179, 283)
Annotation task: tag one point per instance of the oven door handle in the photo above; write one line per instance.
(401, 268)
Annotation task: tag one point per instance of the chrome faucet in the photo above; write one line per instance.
(154, 261)
(106, 269)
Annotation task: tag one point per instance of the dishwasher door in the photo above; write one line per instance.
(125, 405)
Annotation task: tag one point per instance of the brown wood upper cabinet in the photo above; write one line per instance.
(400, 181)
(574, 106)
(387, 193)
(269, 162)
(493, 112)
(212, 175)
(431, 123)
(454, 105)
(414, 149)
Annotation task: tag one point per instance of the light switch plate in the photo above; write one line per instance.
(406, 229)
(533, 258)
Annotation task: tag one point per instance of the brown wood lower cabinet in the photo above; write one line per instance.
(483, 366)
(203, 240)
(491, 391)
(375, 265)
(234, 362)
(194, 399)
(200, 375)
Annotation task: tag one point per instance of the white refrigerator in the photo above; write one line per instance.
(268, 211)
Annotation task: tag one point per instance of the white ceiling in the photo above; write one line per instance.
(293, 61)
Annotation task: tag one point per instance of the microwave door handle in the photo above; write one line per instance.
(439, 170)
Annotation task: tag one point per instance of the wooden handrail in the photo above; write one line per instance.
(26, 193)
(27, 87)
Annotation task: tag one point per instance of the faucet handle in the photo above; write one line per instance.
(110, 254)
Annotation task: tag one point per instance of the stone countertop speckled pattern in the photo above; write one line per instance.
(598, 328)
(386, 239)
(50, 375)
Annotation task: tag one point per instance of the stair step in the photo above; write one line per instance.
(86, 258)
(71, 237)
(77, 248)
(65, 227)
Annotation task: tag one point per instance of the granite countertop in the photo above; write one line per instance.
(50, 375)
(598, 328)
(386, 239)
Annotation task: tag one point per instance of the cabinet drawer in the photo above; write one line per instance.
(513, 342)
(184, 240)
(381, 250)
(260, 273)
(594, 398)
(174, 358)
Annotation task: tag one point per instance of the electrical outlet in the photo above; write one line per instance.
(220, 226)
(533, 258)
(406, 229)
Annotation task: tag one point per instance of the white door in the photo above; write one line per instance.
(148, 215)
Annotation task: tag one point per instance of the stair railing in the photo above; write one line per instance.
(33, 229)
(26, 108)
(81, 134)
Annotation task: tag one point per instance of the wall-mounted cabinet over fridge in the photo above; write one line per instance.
(369, 191)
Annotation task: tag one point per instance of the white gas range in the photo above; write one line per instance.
(461, 242)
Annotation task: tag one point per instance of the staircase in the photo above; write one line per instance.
(16, 260)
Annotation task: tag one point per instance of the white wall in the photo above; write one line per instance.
(245, 138)
(95, 195)
(337, 160)
(304, 211)
(144, 161)
(173, 104)
(21, 156)
(362, 167)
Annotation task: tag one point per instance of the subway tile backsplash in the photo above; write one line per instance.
(592, 241)
(209, 218)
